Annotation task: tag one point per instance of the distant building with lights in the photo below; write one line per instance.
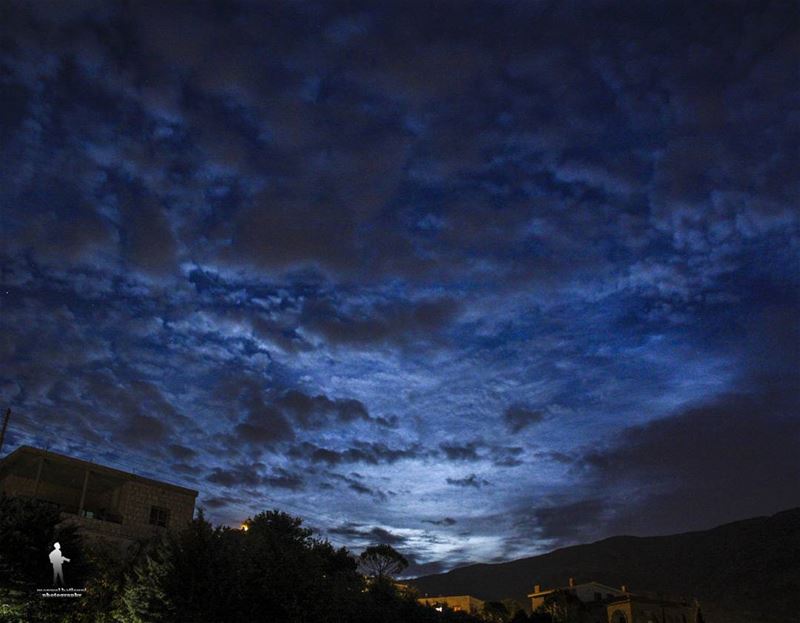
(101, 501)
(602, 603)
(456, 603)
(587, 592)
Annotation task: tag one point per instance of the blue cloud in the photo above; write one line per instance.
(261, 246)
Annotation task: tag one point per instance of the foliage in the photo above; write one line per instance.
(273, 571)
(145, 596)
(496, 612)
(563, 607)
(382, 561)
(520, 616)
(28, 529)
(109, 563)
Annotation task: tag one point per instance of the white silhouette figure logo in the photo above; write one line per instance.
(56, 558)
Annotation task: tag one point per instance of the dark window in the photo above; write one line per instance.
(598, 596)
(159, 516)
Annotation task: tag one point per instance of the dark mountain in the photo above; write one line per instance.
(742, 572)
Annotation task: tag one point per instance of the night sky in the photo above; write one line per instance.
(476, 280)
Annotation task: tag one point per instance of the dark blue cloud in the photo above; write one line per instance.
(546, 246)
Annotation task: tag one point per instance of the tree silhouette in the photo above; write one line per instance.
(28, 529)
(699, 617)
(274, 571)
(564, 607)
(496, 612)
(382, 561)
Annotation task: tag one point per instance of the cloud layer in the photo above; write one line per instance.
(473, 279)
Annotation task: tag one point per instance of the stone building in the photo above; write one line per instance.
(456, 603)
(587, 592)
(100, 500)
(601, 603)
(644, 609)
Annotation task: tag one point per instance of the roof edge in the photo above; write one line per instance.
(24, 449)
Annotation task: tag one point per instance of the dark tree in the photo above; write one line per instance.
(274, 571)
(699, 617)
(382, 561)
(564, 607)
(496, 612)
(28, 529)
(146, 596)
(520, 617)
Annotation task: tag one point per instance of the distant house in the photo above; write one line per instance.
(405, 589)
(607, 604)
(101, 501)
(587, 592)
(457, 603)
(644, 609)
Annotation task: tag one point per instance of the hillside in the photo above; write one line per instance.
(747, 571)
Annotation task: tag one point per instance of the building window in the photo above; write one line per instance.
(598, 596)
(159, 516)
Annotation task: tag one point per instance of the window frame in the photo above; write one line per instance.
(159, 516)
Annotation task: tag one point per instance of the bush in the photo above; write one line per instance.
(274, 571)
(28, 529)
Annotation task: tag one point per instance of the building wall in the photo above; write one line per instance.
(620, 613)
(135, 502)
(137, 499)
(130, 500)
(118, 534)
(538, 601)
(584, 592)
(646, 612)
(13, 485)
(459, 603)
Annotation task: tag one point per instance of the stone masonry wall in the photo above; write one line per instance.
(137, 499)
(18, 485)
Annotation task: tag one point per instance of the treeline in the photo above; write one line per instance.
(275, 571)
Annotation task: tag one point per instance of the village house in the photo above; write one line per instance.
(607, 604)
(651, 609)
(102, 501)
(587, 592)
(456, 603)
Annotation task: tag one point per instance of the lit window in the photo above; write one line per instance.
(159, 516)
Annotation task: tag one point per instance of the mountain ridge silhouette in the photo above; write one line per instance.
(746, 571)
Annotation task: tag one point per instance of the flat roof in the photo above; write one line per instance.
(547, 591)
(450, 597)
(667, 600)
(96, 467)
